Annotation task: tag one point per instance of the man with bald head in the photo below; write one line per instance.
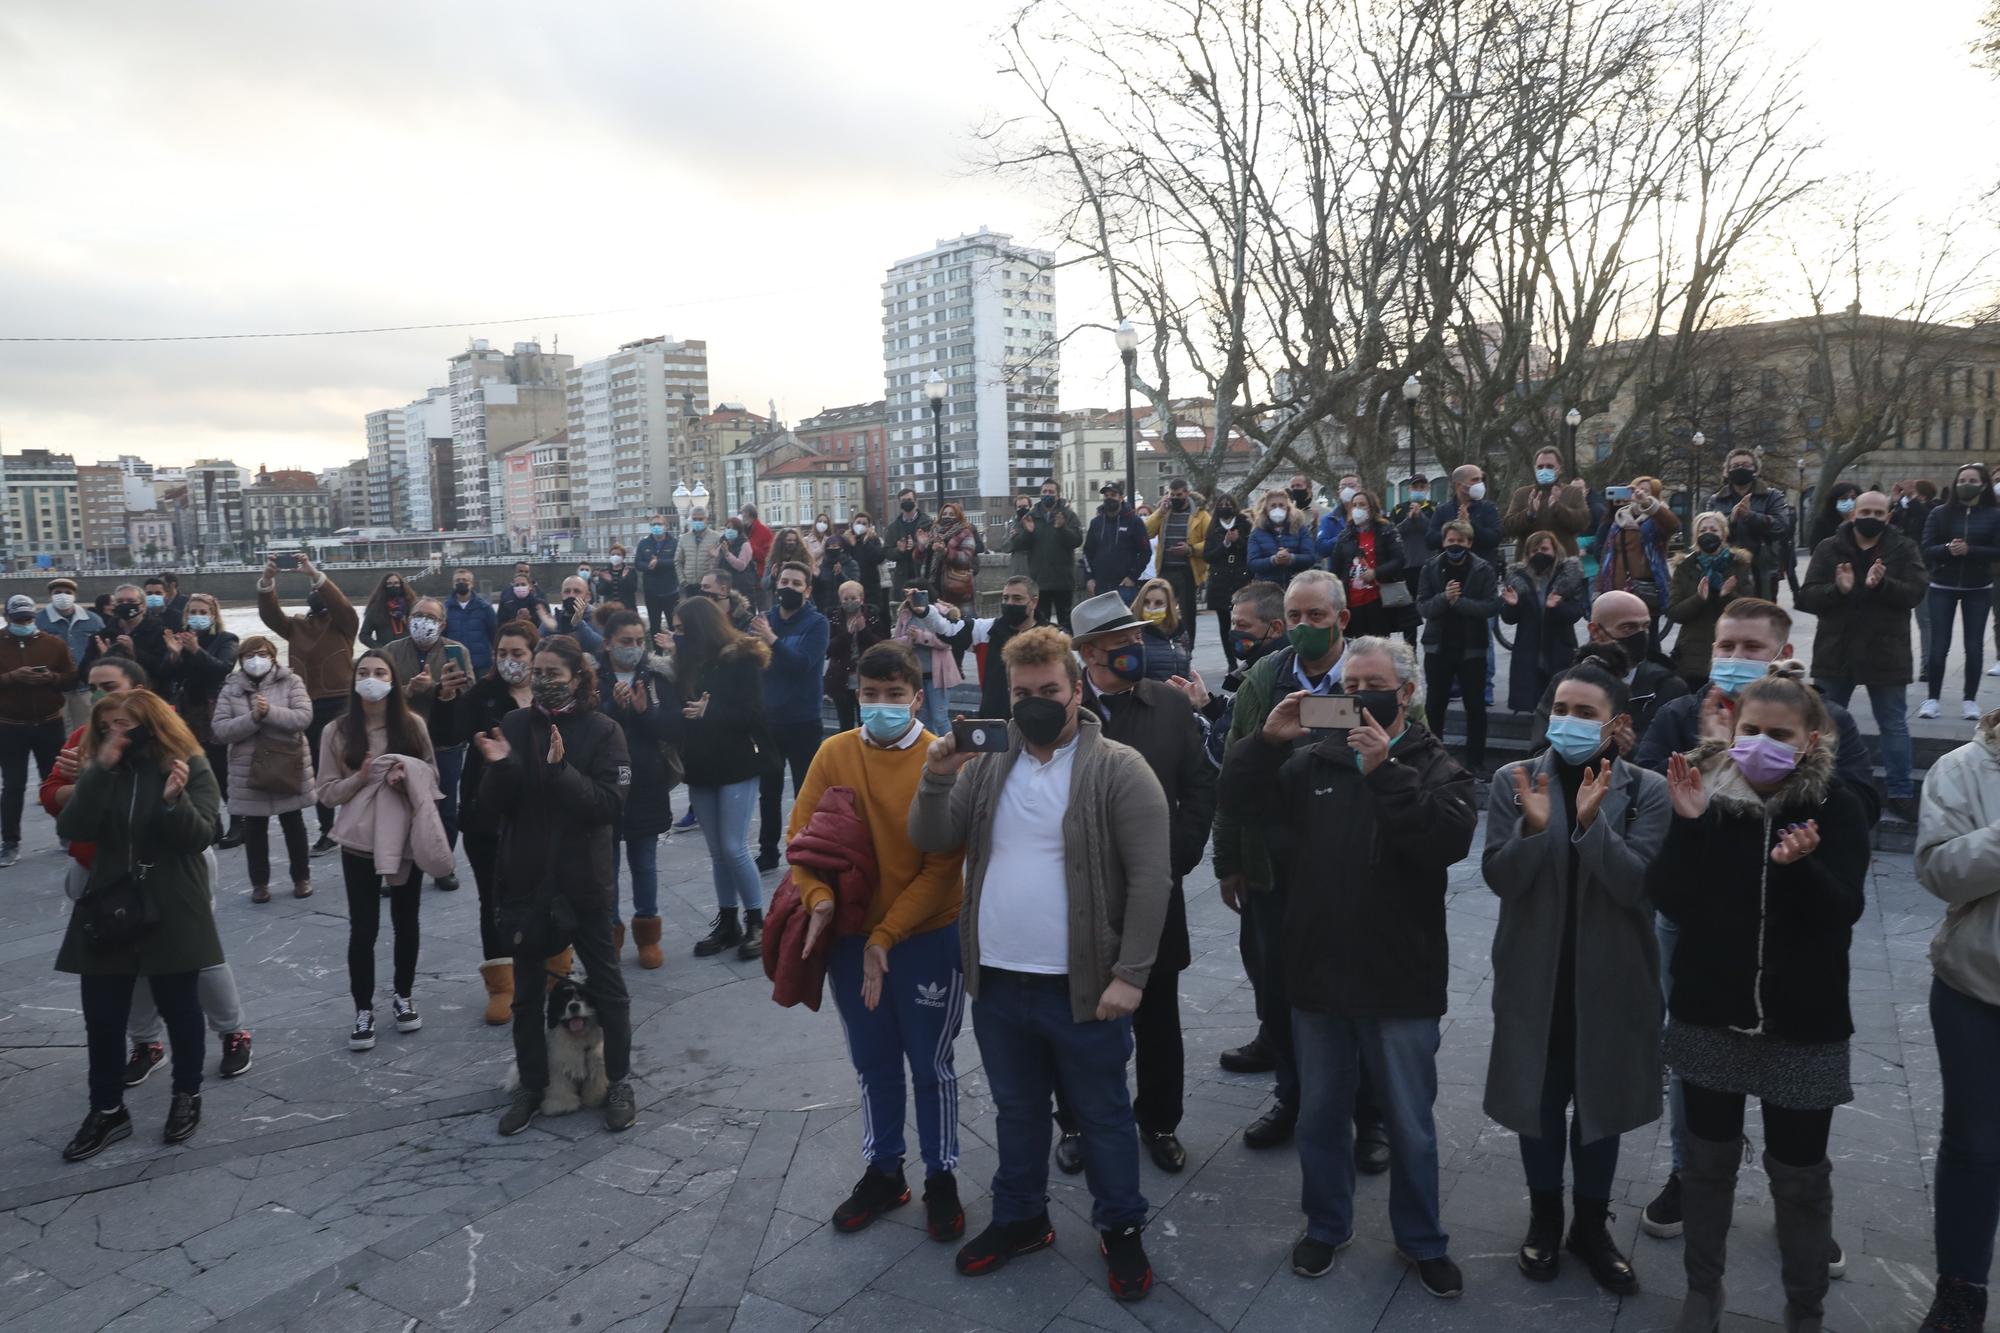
(1622, 619)
(1863, 583)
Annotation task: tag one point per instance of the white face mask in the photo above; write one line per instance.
(64, 603)
(423, 631)
(1359, 514)
(520, 590)
(1346, 494)
(1477, 490)
(257, 667)
(1278, 516)
(819, 527)
(617, 560)
(512, 670)
(373, 688)
(861, 529)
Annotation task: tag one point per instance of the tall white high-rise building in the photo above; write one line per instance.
(426, 424)
(627, 413)
(979, 311)
(388, 456)
(498, 400)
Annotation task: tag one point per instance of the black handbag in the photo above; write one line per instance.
(119, 914)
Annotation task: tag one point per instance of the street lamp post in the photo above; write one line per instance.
(1573, 419)
(1413, 389)
(1128, 352)
(1694, 474)
(934, 389)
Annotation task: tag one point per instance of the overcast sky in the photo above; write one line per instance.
(740, 172)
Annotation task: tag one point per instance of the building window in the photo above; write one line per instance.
(1967, 440)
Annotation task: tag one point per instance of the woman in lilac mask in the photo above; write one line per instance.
(1763, 871)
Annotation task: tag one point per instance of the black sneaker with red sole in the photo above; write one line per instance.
(944, 1217)
(874, 1194)
(146, 1055)
(991, 1249)
(1130, 1274)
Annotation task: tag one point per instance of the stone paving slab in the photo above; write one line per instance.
(333, 1190)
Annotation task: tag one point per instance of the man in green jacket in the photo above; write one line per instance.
(1316, 611)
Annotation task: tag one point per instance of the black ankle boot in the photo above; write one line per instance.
(753, 935)
(724, 932)
(1590, 1240)
(233, 836)
(1541, 1251)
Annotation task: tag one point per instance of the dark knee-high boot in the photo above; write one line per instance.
(1708, 1201)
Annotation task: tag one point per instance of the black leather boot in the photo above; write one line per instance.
(1590, 1240)
(1541, 1251)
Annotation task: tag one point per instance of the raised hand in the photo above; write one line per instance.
(1195, 689)
(1282, 725)
(1590, 793)
(177, 781)
(1876, 573)
(66, 763)
(1718, 716)
(1532, 801)
(1796, 843)
(493, 746)
(1843, 577)
(555, 746)
(1510, 596)
(1684, 785)
(1369, 740)
(943, 757)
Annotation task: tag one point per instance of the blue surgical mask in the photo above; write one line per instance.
(1545, 476)
(659, 530)
(1576, 740)
(885, 723)
(1845, 506)
(19, 630)
(1731, 674)
(154, 601)
(694, 525)
(199, 624)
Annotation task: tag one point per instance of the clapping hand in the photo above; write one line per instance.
(1684, 785)
(1843, 577)
(260, 707)
(1532, 801)
(177, 781)
(395, 777)
(555, 746)
(1623, 737)
(112, 752)
(1510, 596)
(1453, 590)
(66, 763)
(694, 708)
(1796, 843)
(1718, 722)
(1553, 600)
(1590, 793)
(1195, 690)
(493, 746)
(1876, 573)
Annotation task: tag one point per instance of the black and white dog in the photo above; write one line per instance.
(576, 1053)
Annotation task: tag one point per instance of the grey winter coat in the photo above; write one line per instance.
(1617, 955)
(234, 725)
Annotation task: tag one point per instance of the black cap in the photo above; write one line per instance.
(1111, 488)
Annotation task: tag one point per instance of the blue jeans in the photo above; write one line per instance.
(1972, 605)
(451, 767)
(1029, 1042)
(916, 1022)
(1967, 1197)
(1401, 1058)
(1669, 935)
(1890, 704)
(724, 815)
(642, 858)
(935, 713)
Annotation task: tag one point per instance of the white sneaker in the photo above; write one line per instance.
(1971, 710)
(1993, 670)
(1930, 708)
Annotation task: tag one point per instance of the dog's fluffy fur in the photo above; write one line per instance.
(576, 1053)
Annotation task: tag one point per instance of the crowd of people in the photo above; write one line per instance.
(1678, 864)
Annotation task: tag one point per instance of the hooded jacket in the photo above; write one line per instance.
(1763, 947)
(555, 820)
(1958, 861)
(836, 844)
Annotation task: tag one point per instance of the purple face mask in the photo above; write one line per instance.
(1762, 760)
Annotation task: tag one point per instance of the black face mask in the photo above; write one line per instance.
(1048, 502)
(1968, 492)
(1742, 476)
(128, 610)
(1179, 502)
(909, 506)
(1227, 513)
(1709, 542)
(1300, 497)
(1455, 555)
(1541, 562)
(1022, 511)
(138, 738)
(1013, 615)
(1110, 506)
(1871, 528)
(1041, 720)
(790, 599)
(462, 589)
(1382, 705)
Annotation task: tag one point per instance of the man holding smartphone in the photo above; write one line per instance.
(35, 671)
(1019, 601)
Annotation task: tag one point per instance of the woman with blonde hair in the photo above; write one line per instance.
(1710, 576)
(1632, 544)
(1154, 603)
(146, 797)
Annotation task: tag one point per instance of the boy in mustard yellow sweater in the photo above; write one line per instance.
(899, 987)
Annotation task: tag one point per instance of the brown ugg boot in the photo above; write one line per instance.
(558, 966)
(498, 974)
(646, 934)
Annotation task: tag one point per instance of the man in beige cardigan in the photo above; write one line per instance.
(1067, 881)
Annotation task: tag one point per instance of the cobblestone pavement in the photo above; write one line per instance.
(330, 1190)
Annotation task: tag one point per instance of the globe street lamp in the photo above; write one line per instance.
(934, 389)
(1413, 389)
(1128, 351)
(1573, 420)
(1694, 473)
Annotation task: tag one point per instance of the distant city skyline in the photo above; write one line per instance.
(177, 171)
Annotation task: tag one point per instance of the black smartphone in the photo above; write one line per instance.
(287, 560)
(920, 600)
(979, 735)
(1329, 712)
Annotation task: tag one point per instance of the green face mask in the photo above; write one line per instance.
(1312, 641)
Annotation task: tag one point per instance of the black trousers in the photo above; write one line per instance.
(218, 763)
(1222, 632)
(482, 850)
(1180, 578)
(846, 707)
(793, 743)
(324, 711)
(364, 923)
(1055, 604)
(660, 610)
(605, 985)
(107, 1004)
(257, 846)
(17, 741)
(1440, 670)
(1160, 1055)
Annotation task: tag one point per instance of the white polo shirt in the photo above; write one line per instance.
(1024, 901)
